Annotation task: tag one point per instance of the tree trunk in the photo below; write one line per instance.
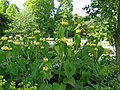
(118, 37)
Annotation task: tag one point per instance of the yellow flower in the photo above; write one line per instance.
(36, 43)
(63, 40)
(4, 38)
(71, 43)
(6, 48)
(55, 32)
(30, 37)
(90, 54)
(42, 47)
(17, 36)
(1, 77)
(44, 32)
(36, 32)
(91, 27)
(29, 48)
(42, 39)
(45, 59)
(90, 34)
(17, 43)
(92, 45)
(94, 40)
(96, 49)
(64, 23)
(10, 41)
(45, 68)
(78, 31)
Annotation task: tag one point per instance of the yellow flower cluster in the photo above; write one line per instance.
(4, 38)
(64, 23)
(55, 32)
(45, 68)
(42, 39)
(44, 32)
(45, 59)
(2, 82)
(91, 45)
(30, 37)
(17, 43)
(78, 31)
(42, 47)
(90, 34)
(10, 41)
(96, 49)
(36, 43)
(71, 43)
(12, 85)
(36, 32)
(17, 36)
(63, 40)
(90, 54)
(6, 48)
(91, 27)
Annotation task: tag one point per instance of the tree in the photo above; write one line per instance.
(43, 12)
(12, 10)
(23, 22)
(118, 37)
(107, 13)
(3, 5)
(4, 23)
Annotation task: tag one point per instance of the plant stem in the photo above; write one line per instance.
(59, 77)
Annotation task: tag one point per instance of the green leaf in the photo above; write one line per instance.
(56, 47)
(61, 32)
(22, 62)
(77, 40)
(34, 69)
(78, 85)
(84, 51)
(59, 87)
(70, 81)
(69, 51)
(88, 88)
(48, 75)
(15, 52)
(2, 56)
(69, 69)
(45, 87)
(85, 77)
(56, 59)
(13, 68)
(100, 51)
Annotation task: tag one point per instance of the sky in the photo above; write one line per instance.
(77, 5)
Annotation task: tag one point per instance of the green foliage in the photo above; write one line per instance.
(68, 66)
(4, 23)
(3, 5)
(23, 22)
(106, 12)
(12, 10)
(43, 10)
(28, 62)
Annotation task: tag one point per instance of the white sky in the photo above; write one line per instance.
(77, 5)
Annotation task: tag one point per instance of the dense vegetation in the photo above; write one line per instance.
(47, 48)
